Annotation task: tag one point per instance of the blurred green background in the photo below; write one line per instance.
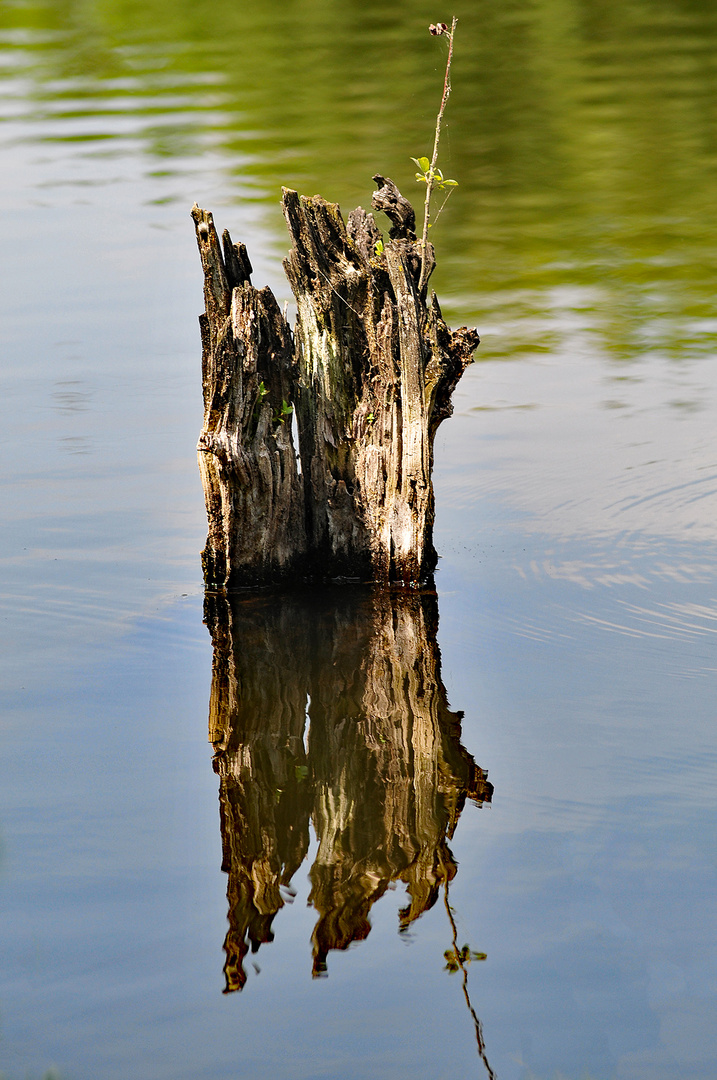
(582, 135)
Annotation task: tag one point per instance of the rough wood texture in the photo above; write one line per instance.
(388, 199)
(330, 708)
(371, 373)
(247, 462)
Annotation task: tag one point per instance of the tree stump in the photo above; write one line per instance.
(369, 370)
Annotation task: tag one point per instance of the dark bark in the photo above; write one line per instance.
(371, 373)
(252, 487)
(388, 199)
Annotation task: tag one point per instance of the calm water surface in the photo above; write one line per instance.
(577, 591)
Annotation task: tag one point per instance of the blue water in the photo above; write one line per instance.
(576, 511)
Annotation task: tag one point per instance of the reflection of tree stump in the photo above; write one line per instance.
(370, 374)
(380, 770)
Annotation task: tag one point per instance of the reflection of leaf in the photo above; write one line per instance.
(452, 964)
(301, 772)
(457, 959)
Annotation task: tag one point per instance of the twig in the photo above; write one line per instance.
(434, 159)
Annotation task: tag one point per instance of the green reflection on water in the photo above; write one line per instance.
(582, 135)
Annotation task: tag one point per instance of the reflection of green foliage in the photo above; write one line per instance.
(589, 166)
(460, 958)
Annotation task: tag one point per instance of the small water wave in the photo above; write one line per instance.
(688, 492)
(690, 769)
(647, 623)
(90, 130)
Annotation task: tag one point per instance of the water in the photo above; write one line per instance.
(576, 505)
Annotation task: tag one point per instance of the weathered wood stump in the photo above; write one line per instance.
(369, 370)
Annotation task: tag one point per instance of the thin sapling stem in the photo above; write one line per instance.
(431, 176)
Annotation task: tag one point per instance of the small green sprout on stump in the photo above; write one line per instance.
(436, 177)
(437, 181)
(281, 415)
(261, 392)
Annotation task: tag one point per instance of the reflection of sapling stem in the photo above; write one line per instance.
(458, 959)
(429, 174)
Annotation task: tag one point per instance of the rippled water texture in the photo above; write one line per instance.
(356, 835)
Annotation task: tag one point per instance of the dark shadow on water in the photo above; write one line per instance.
(328, 707)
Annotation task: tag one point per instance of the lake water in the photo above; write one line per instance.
(577, 589)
